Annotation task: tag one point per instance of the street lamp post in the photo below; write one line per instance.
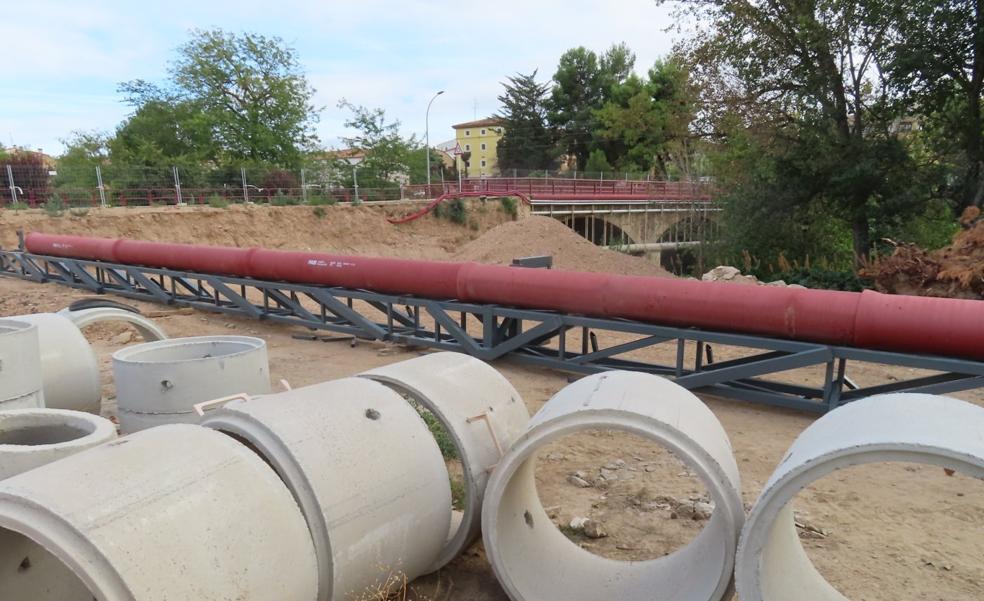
(427, 137)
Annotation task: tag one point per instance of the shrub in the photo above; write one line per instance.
(54, 206)
(18, 206)
(282, 200)
(319, 200)
(217, 202)
(510, 206)
(319, 212)
(453, 210)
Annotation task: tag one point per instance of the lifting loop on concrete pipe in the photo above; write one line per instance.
(482, 413)
(30, 438)
(365, 470)
(920, 428)
(174, 512)
(21, 383)
(519, 534)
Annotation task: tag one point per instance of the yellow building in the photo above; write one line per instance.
(480, 138)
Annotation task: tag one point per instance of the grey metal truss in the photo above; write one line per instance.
(534, 337)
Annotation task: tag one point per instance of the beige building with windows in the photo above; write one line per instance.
(481, 139)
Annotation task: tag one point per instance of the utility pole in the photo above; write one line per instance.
(427, 138)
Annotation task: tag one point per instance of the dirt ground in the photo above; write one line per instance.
(877, 532)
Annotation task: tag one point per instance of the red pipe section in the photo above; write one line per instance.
(450, 196)
(926, 325)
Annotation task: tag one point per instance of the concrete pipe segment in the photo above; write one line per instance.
(173, 513)
(917, 428)
(533, 560)
(69, 369)
(365, 470)
(148, 330)
(160, 382)
(30, 438)
(480, 410)
(20, 365)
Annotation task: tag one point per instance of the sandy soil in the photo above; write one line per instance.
(889, 532)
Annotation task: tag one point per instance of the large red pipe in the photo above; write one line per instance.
(936, 326)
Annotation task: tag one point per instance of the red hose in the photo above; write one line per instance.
(450, 196)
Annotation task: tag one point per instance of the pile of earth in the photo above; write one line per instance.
(955, 271)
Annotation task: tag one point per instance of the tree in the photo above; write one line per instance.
(387, 155)
(243, 97)
(84, 150)
(645, 116)
(528, 141)
(809, 76)
(597, 163)
(582, 84)
(935, 60)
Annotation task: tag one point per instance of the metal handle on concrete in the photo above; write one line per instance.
(200, 407)
(495, 439)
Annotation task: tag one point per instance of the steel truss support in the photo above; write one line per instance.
(541, 338)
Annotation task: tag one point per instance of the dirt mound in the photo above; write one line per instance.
(955, 271)
(545, 236)
(344, 229)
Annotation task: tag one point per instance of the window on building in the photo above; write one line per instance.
(483, 145)
(467, 146)
(483, 132)
(483, 163)
(467, 132)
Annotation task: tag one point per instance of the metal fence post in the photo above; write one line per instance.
(13, 188)
(242, 171)
(177, 186)
(100, 187)
(303, 188)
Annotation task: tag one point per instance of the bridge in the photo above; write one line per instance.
(655, 218)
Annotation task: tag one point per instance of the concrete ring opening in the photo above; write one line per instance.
(470, 407)
(772, 564)
(30, 438)
(519, 533)
(177, 350)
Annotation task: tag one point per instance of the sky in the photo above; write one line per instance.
(65, 59)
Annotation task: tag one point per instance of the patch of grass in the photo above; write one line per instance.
(18, 206)
(217, 202)
(318, 200)
(440, 434)
(319, 212)
(510, 206)
(54, 206)
(282, 200)
(457, 494)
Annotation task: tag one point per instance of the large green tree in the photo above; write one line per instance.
(582, 84)
(529, 142)
(934, 56)
(235, 97)
(809, 78)
(389, 158)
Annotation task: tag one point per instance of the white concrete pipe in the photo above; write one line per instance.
(20, 365)
(30, 438)
(364, 468)
(160, 382)
(176, 512)
(148, 330)
(482, 413)
(917, 428)
(69, 369)
(533, 560)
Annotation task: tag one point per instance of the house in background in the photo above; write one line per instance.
(481, 138)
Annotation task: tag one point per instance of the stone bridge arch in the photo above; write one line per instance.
(636, 225)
